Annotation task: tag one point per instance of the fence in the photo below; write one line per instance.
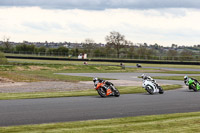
(108, 56)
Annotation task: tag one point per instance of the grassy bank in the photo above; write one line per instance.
(90, 92)
(23, 72)
(168, 123)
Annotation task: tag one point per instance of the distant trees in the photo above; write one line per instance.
(171, 54)
(41, 49)
(116, 46)
(74, 52)
(58, 51)
(186, 54)
(25, 48)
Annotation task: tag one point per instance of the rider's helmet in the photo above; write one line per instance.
(185, 77)
(143, 76)
(95, 79)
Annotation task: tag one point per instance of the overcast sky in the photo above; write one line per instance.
(141, 21)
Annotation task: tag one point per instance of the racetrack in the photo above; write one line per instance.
(36, 111)
(48, 110)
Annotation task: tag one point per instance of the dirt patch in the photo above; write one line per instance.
(36, 68)
(8, 86)
(5, 80)
(43, 86)
(20, 68)
(68, 67)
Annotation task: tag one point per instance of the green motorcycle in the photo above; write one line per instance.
(192, 83)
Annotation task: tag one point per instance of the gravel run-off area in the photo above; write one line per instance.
(8, 86)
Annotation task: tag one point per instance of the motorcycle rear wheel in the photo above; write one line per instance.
(101, 92)
(149, 89)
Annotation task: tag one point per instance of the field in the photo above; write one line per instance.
(39, 70)
(33, 71)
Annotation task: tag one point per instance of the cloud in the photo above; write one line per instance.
(103, 4)
(162, 26)
(47, 26)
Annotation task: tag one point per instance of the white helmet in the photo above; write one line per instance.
(185, 77)
(95, 79)
(143, 76)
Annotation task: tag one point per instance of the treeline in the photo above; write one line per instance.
(116, 47)
(143, 51)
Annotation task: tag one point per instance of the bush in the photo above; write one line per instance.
(3, 59)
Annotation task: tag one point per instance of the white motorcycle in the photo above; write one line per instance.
(152, 87)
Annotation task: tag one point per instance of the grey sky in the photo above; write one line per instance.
(103, 4)
(150, 21)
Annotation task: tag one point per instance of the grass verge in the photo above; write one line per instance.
(174, 77)
(91, 92)
(168, 123)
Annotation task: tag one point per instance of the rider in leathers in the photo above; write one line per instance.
(97, 80)
(144, 77)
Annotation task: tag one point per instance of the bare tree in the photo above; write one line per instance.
(171, 53)
(6, 43)
(89, 44)
(117, 40)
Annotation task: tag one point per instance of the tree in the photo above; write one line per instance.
(117, 40)
(74, 52)
(89, 44)
(25, 48)
(186, 55)
(172, 53)
(42, 49)
(63, 50)
(6, 43)
(174, 46)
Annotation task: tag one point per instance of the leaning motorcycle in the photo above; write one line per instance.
(152, 87)
(105, 90)
(192, 84)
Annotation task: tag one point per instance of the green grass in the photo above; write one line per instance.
(89, 92)
(100, 63)
(174, 77)
(180, 72)
(167, 123)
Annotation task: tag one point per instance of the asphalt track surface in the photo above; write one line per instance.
(170, 69)
(48, 110)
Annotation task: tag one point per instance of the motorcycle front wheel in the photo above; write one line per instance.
(116, 92)
(161, 91)
(102, 92)
(149, 89)
(193, 86)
